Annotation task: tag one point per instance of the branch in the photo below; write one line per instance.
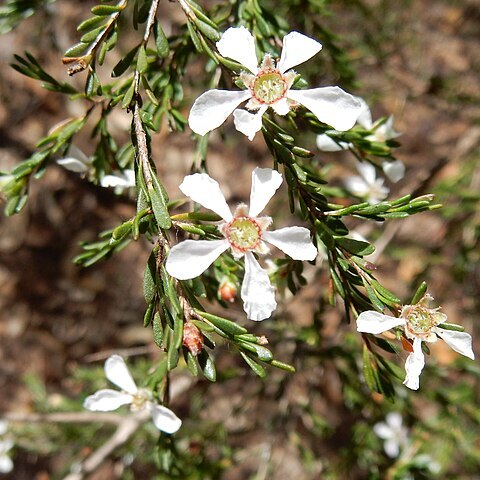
(66, 417)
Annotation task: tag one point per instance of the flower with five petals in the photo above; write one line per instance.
(381, 132)
(106, 400)
(269, 85)
(245, 233)
(421, 324)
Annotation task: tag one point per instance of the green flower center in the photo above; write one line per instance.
(140, 399)
(269, 87)
(419, 320)
(243, 233)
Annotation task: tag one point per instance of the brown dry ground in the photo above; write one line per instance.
(423, 68)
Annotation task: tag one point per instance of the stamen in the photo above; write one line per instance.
(243, 233)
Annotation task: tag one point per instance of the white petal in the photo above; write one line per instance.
(331, 105)
(248, 123)
(394, 419)
(414, 366)
(328, 144)
(375, 322)
(297, 48)
(238, 44)
(461, 342)
(6, 445)
(367, 171)
(392, 447)
(294, 241)
(265, 182)
(257, 292)
(281, 107)
(365, 117)
(120, 179)
(191, 258)
(164, 419)
(357, 186)
(212, 108)
(72, 164)
(382, 430)
(203, 189)
(394, 171)
(107, 400)
(117, 372)
(6, 464)
(3, 426)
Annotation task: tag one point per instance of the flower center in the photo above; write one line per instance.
(269, 87)
(243, 233)
(140, 399)
(419, 320)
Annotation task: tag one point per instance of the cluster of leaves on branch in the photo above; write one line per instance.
(149, 82)
(153, 83)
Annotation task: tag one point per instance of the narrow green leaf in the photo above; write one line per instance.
(207, 366)
(261, 352)
(89, 24)
(256, 367)
(157, 330)
(104, 10)
(357, 247)
(142, 60)
(420, 293)
(149, 276)
(147, 318)
(223, 324)
(161, 40)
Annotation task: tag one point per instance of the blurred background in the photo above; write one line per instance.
(418, 61)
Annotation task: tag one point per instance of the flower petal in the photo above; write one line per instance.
(365, 117)
(461, 342)
(331, 105)
(6, 464)
(117, 372)
(238, 44)
(212, 108)
(248, 123)
(265, 182)
(294, 241)
(394, 419)
(328, 144)
(119, 179)
(394, 171)
(281, 107)
(357, 186)
(3, 427)
(163, 418)
(392, 447)
(203, 189)
(382, 430)
(107, 400)
(191, 258)
(73, 165)
(257, 292)
(414, 366)
(297, 48)
(376, 322)
(367, 171)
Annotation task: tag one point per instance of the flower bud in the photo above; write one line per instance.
(227, 291)
(192, 339)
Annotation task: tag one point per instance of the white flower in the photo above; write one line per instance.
(245, 233)
(6, 464)
(76, 161)
(394, 170)
(119, 180)
(394, 434)
(421, 325)
(269, 85)
(106, 400)
(367, 185)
